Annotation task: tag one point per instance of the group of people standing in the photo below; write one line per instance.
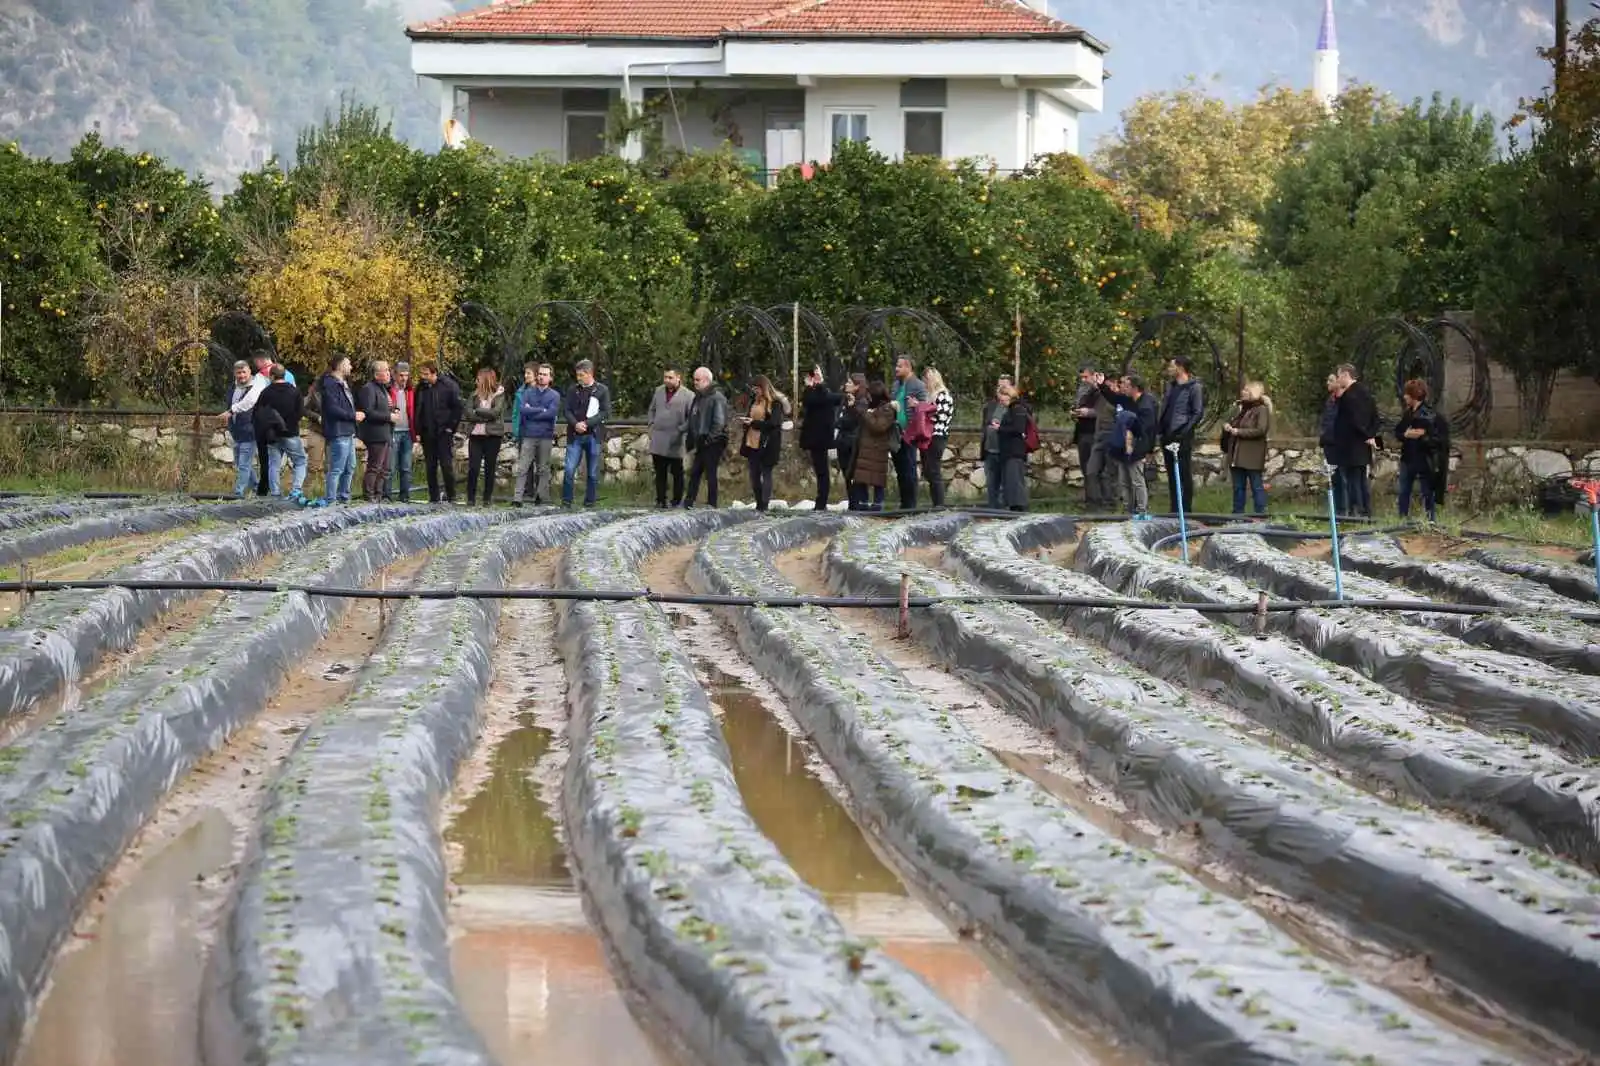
(1351, 435)
(1118, 426)
(863, 429)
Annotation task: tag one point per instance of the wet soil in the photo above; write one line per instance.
(129, 990)
(114, 666)
(95, 559)
(183, 862)
(1320, 550)
(1034, 754)
(797, 803)
(530, 972)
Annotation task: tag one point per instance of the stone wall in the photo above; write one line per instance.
(1486, 472)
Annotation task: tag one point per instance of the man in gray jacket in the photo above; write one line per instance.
(376, 415)
(708, 436)
(669, 425)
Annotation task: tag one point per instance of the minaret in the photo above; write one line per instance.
(1325, 72)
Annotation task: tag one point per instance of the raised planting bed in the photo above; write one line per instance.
(1569, 579)
(27, 514)
(1492, 691)
(1560, 642)
(736, 958)
(1382, 556)
(1556, 706)
(75, 792)
(60, 636)
(1419, 881)
(1525, 790)
(337, 949)
(1094, 925)
(107, 524)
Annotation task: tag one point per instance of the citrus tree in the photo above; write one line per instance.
(48, 261)
(350, 282)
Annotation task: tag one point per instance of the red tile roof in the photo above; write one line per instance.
(711, 19)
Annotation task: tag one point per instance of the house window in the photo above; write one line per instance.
(847, 126)
(924, 133)
(586, 135)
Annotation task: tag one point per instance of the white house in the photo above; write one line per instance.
(782, 81)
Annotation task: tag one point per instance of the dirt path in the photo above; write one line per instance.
(95, 559)
(155, 917)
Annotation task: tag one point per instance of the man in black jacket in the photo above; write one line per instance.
(1181, 410)
(1355, 434)
(438, 409)
(708, 436)
(1083, 433)
(376, 431)
(587, 407)
(819, 407)
(277, 421)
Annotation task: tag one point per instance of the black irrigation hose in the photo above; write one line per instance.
(870, 602)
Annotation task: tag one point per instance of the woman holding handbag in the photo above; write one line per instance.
(763, 437)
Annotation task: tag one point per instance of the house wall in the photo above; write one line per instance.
(1055, 127)
(981, 118)
(519, 122)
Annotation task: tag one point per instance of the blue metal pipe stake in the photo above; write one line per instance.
(1177, 491)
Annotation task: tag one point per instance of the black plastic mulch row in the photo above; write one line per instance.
(87, 781)
(1462, 580)
(337, 950)
(1559, 642)
(1486, 912)
(1495, 690)
(1541, 632)
(1093, 923)
(1525, 790)
(29, 514)
(58, 638)
(736, 957)
(108, 523)
(1572, 580)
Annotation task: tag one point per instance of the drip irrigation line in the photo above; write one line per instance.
(691, 599)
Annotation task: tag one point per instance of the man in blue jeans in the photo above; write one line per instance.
(402, 448)
(908, 392)
(587, 409)
(339, 420)
(242, 429)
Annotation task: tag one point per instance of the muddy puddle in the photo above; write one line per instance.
(125, 989)
(796, 803)
(129, 991)
(529, 970)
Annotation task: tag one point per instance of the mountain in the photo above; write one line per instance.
(218, 85)
(1483, 51)
(215, 86)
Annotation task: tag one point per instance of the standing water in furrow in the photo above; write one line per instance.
(529, 970)
(795, 800)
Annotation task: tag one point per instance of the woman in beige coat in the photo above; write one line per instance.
(1245, 442)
